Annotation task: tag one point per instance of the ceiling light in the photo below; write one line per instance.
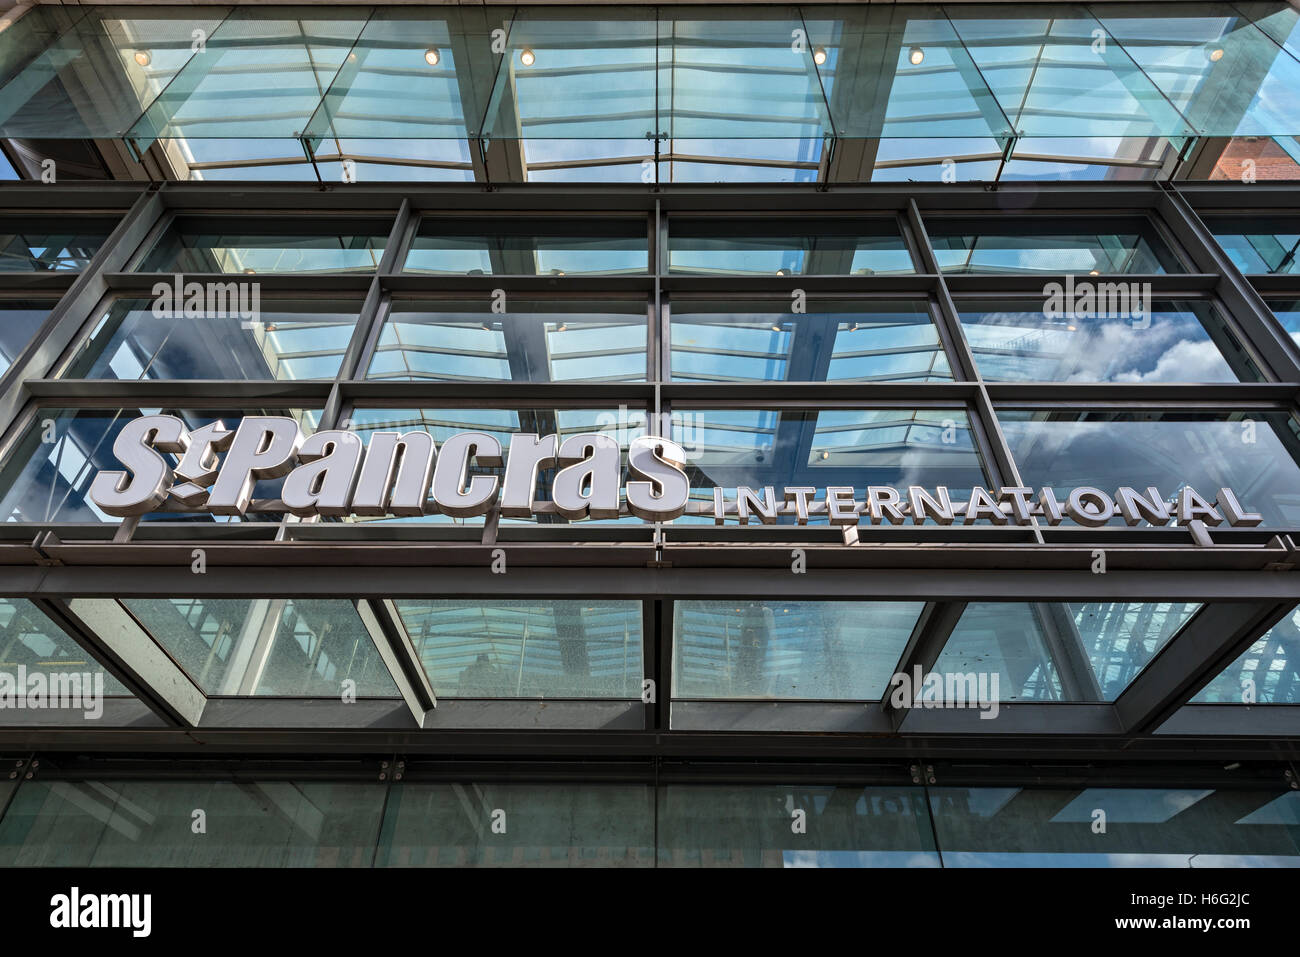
(431, 56)
(776, 327)
(249, 271)
(1071, 328)
(1216, 54)
(819, 55)
(1093, 272)
(825, 455)
(915, 56)
(143, 57)
(561, 327)
(527, 57)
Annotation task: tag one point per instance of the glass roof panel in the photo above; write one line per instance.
(280, 647)
(31, 641)
(1268, 672)
(261, 74)
(1222, 72)
(1056, 72)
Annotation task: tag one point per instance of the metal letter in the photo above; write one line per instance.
(657, 486)
(451, 474)
(529, 454)
(1103, 509)
(323, 484)
(123, 495)
(590, 460)
(396, 475)
(263, 447)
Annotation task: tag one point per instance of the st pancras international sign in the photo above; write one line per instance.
(334, 473)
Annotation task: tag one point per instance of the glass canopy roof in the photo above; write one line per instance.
(659, 94)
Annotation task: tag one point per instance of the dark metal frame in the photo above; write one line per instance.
(1244, 577)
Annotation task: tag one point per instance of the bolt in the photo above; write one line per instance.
(383, 775)
(29, 775)
(36, 763)
(383, 764)
(12, 775)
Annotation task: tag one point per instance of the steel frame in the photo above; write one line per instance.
(1245, 577)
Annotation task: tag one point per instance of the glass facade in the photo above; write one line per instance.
(97, 822)
(847, 259)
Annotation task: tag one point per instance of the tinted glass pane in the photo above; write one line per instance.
(750, 826)
(29, 640)
(1037, 651)
(261, 73)
(1288, 313)
(622, 425)
(1051, 245)
(532, 341)
(19, 321)
(245, 339)
(43, 245)
(528, 649)
(1138, 341)
(96, 78)
(281, 647)
(1253, 453)
(1221, 71)
(486, 248)
(837, 447)
(1278, 19)
(1260, 244)
(1145, 827)
(545, 825)
(279, 246)
(55, 823)
(1268, 672)
(48, 472)
(822, 650)
(861, 247)
(865, 341)
(1053, 78)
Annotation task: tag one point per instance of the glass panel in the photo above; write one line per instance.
(238, 337)
(53, 823)
(838, 447)
(622, 425)
(1053, 78)
(277, 647)
(863, 247)
(261, 74)
(95, 79)
(486, 248)
(739, 77)
(546, 825)
(1260, 244)
(527, 649)
(1125, 338)
(750, 826)
(32, 244)
(19, 321)
(47, 474)
(902, 72)
(1050, 245)
(1288, 313)
(1268, 672)
(30, 641)
(535, 340)
(413, 74)
(1222, 72)
(815, 650)
(868, 341)
(1145, 827)
(555, 93)
(1278, 19)
(1035, 651)
(193, 244)
(1253, 453)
